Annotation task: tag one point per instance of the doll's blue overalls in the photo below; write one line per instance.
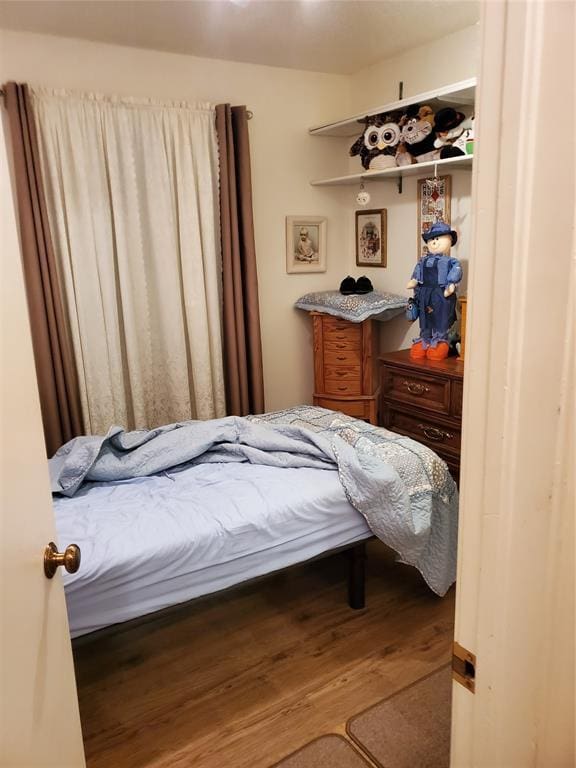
(437, 313)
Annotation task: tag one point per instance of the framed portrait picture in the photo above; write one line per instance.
(305, 244)
(371, 237)
(433, 205)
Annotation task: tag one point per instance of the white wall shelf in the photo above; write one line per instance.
(458, 95)
(463, 163)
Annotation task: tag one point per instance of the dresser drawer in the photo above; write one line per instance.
(342, 357)
(340, 373)
(415, 388)
(345, 344)
(425, 429)
(331, 323)
(350, 334)
(342, 387)
(356, 408)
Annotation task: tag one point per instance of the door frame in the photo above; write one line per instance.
(515, 586)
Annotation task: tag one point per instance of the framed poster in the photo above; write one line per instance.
(371, 236)
(434, 197)
(305, 244)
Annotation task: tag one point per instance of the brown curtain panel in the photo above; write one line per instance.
(242, 341)
(55, 369)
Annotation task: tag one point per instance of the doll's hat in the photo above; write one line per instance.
(438, 230)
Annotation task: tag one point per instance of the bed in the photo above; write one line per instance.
(166, 516)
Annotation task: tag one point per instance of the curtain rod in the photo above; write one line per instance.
(249, 113)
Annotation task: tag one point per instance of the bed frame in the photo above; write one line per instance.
(356, 560)
(357, 576)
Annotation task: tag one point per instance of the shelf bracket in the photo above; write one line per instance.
(400, 90)
(399, 184)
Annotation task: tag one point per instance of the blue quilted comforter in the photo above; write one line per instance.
(403, 489)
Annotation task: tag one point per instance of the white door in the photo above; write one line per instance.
(39, 719)
(515, 591)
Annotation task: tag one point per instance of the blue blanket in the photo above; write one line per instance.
(372, 486)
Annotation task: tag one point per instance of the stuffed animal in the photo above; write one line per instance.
(378, 144)
(418, 136)
(434, 282)
(453, 130)
(470, 138)
(427, 113)
(465, 141)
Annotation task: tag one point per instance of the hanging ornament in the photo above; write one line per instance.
(434, 194)
(363, 197)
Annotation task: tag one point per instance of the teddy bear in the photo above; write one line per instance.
(418, 136)
(434, 281)
(453, 132)
(378, 144)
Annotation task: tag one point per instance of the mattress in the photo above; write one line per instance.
(153, 542)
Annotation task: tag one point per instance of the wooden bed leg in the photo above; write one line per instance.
(357, 576)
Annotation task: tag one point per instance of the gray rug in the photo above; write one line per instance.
(411, 729)
(330, 751)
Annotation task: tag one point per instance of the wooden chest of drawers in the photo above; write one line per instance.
(345, 374)
(423, 399)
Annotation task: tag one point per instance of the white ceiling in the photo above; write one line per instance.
(339, 36)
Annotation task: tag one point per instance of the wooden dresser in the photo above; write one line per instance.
(423, 399)
(345, 366)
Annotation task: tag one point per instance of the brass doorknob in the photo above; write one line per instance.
(70, 559)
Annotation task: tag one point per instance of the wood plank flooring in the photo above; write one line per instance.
(241, 679)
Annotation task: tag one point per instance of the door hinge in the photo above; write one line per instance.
(464, 667)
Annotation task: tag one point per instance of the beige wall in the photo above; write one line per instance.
(448, 60)
(284, 159)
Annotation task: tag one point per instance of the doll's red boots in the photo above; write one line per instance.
(417, 351)
(439, 352)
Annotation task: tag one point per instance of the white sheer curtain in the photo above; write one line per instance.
(132, 189)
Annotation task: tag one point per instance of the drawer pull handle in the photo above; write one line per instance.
(416, 389)
(341, 357)
(342, 389)
(434, 434)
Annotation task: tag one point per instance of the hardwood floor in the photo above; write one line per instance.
(241, 679)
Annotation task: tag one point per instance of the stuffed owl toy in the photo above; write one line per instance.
(378, 143)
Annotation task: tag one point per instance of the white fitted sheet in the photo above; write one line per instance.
(153, 542)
